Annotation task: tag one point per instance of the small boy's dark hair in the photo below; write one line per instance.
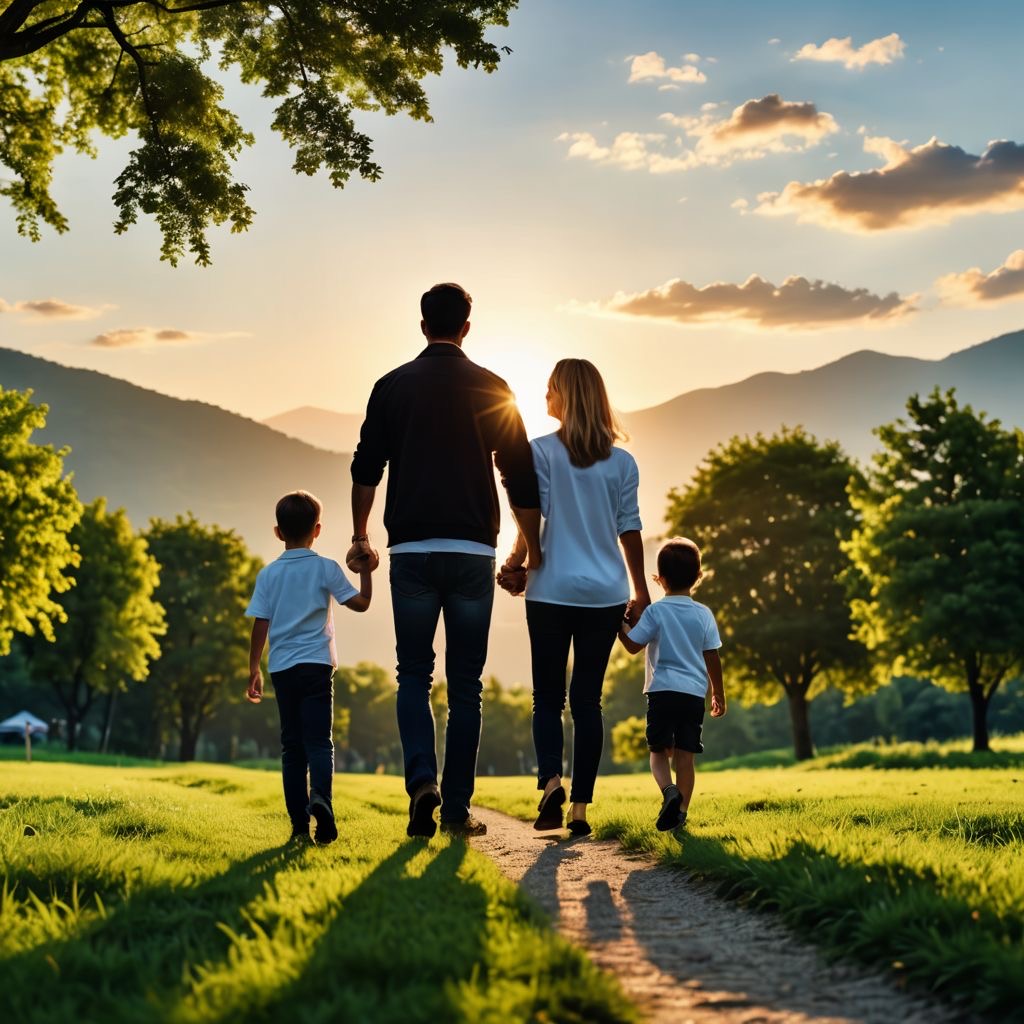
(679, 564)
(445, 308)
(297, 515)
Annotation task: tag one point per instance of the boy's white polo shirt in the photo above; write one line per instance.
(294, 592)
(677, 631)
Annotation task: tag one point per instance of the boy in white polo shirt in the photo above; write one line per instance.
(682, 643)
(291, 603)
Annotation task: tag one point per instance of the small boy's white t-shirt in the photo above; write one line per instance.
(677, 631)
(294, 592)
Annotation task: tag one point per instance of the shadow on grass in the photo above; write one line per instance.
(116, 966)
(886, 915)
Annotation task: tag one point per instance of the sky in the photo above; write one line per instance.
(685, 193)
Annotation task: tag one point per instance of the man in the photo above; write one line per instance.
(441, 423)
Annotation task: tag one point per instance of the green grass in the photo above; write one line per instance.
(167, 895)
(56, 752)
(920, 872)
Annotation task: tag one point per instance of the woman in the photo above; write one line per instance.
(577, 598)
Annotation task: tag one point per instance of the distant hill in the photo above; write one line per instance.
(842, 401)
(332, 431)
(158, 456)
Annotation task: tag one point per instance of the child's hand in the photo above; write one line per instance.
(254, 694)
(717, 705)
(361, 557)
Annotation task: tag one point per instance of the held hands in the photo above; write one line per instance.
(254, 692)
(512, 579)
(361, 557)
(634, 609)
(718, 708)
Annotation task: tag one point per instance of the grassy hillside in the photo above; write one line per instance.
(920, 873)
(168, 894)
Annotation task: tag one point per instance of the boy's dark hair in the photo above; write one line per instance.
(679, 564)
(445, 308)
(297, 514)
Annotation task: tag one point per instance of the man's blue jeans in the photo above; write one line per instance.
(423, 588)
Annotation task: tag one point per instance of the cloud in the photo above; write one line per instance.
(930, 184)
(797, 303)
(768, 125)
(633, 151)
(975, 288)
(139, 337)
(38, 310)
(651, 66)
(774, 41)
(842, 51)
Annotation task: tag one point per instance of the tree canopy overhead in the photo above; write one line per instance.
(71, 69)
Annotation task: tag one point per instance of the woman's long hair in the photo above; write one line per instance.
(589, 426)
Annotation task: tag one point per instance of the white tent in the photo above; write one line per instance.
(16, 725)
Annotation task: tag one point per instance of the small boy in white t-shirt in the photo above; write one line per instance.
(291, 603)
(682, 643)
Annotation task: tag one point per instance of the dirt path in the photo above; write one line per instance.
(682, 954)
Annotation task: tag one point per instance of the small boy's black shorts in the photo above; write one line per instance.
(674, 720)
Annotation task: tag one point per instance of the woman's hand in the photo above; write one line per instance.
(635, 608)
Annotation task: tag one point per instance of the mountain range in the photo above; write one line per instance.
(160, 456)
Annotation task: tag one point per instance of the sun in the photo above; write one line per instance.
(527, 374)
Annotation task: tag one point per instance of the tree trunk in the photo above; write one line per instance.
(72, 725)
(979, 714)
(189, 739)
(108, 721)
(799, 717)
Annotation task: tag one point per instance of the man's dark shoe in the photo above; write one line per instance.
(668, 819)
(421, 811)
(299, 836)
(463, 829)
(320, 810)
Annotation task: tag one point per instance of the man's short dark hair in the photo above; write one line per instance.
(679, 564)
(445, 308)
(297, 515)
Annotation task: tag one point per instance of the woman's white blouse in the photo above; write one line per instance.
(584, 512)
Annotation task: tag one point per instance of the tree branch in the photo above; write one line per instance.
(21, 44)
(298, 45)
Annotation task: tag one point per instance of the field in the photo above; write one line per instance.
(167, 892)
(919, 871)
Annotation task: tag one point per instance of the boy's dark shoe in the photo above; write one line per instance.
(670, 807)
(469, 826)
(421, 811)
(320, 810)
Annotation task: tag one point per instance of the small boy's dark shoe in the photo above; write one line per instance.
(320, 810)
(421, 811)
(669, 817)
(469, 826)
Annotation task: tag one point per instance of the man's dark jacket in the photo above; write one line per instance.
(441, 423)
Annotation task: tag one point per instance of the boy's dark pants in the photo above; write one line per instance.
(305, 701)
(423, 587)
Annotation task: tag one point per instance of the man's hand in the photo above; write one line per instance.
(717, 705)
(254, 693)
(361, 557)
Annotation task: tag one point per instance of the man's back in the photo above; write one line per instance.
(441, 422)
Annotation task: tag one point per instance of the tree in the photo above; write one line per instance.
(38, 508)
(942, 545)
(111, 620)
(71, 69)
(206, 578)
(769, 515)
(364, 702)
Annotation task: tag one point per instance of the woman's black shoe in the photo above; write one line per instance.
(550, 808)
(578, 827)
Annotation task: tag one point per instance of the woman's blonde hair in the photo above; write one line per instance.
(589, 426)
